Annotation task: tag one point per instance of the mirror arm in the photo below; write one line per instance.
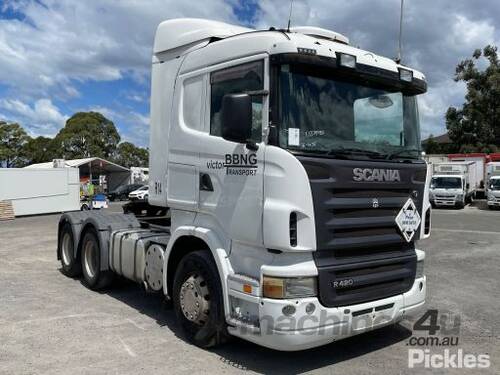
(251, 145)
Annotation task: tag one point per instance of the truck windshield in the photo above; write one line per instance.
(326, 115)
(495, 184)
(446, 183)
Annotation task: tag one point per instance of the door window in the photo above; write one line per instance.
(237, 79)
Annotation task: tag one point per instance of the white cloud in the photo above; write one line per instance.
(62, 41)
(42, 118)
(437, 35)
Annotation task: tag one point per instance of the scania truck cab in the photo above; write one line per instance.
(291, 164)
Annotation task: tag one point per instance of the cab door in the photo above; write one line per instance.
(231, 174)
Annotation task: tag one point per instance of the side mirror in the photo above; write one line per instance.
(236, 117)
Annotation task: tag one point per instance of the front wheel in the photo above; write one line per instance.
(93, 277)
(197, 299)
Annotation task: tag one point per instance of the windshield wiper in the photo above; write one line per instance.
(355, 151)
(398, 153)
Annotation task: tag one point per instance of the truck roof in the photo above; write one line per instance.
(189, 34)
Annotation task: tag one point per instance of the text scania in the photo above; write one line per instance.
(376, 175)
(236, 164)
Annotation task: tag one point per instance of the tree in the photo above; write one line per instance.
(128, 155)
(38, 150)
(87, 134)
(476, 126)
(12, 140)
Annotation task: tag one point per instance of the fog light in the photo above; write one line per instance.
(288, 310)
(310, 308)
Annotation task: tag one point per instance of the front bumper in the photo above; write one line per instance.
(324, 325)
(442, 201)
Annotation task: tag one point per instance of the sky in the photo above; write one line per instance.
(58, 57)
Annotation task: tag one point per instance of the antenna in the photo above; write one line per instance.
(398, 59)
(290, 16)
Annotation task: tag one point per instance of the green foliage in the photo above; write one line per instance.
(431, 146)
(476, 126)
(87, 134)
(12, 140)
(128, 155)
(38, 150)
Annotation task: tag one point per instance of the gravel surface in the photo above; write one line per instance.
(52, 324)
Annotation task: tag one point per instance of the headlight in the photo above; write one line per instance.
(295, 287)
(460, 196)
(420, 270)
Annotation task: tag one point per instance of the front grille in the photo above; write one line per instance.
(364, 247)
(362, 256)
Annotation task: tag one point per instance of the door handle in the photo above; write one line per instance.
(206, 182)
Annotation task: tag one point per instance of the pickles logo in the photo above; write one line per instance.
(236, 164)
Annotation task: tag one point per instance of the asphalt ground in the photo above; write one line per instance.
(51, 324)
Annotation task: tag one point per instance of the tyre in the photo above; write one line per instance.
(93, 277)
(84, 207)
(460, 205)
(197, 300)
(70, 266)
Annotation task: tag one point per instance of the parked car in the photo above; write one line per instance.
(141, 194)
(122, 192)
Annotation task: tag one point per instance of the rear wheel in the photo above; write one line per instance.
(197, 299)
(69, 264)
(91, 263)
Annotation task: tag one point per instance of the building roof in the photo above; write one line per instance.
(76, 163)
(443, 138)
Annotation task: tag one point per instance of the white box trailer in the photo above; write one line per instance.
(40, 191)
(480, 165)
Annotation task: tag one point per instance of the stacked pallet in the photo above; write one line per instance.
(6, 210)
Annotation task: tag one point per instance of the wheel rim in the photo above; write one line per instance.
(90, 258)
(67, 249)
(195, 299)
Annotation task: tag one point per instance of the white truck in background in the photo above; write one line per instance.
(291, 226)
(454, 183)
(493, 184)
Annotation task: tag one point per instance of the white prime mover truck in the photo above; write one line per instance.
(291, 165)
(454, 184)
(493, 184)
